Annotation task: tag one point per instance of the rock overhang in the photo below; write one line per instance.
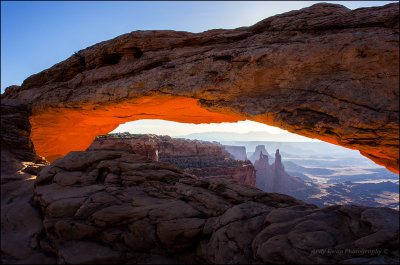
(324, 72)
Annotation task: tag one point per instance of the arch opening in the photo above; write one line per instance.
(310, 170)
(58, 130)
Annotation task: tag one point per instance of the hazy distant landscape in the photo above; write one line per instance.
(197, 132)
(253, 136)
(336, 175)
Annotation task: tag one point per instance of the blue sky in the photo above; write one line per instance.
(35, 35)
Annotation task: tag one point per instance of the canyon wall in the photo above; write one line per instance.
(200, 158)
(16, 146)
(325, 72)
(21, 223)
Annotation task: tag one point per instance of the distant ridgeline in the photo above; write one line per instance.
(151, 136)
(122, 135)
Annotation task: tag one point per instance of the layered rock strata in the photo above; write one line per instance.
(325, 72)
(201, 158)
(108, 206)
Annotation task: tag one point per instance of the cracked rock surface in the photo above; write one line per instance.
(325, 72)
(110, 206)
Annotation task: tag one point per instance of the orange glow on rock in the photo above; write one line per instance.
(57, 131)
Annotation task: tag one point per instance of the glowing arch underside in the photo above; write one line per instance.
(334, 78)
(58, 131)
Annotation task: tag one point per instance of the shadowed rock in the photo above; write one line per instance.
(173, 216)
(324, 72)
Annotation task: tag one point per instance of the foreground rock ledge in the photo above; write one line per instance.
(109, 206)
(324, 72)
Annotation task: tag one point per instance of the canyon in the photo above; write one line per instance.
(319, 183)
(324, 72)
(200, 158)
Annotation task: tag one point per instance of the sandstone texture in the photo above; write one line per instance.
(21, 223)
(109, 206)
(324, 72)
(16, 145)
(200, 158)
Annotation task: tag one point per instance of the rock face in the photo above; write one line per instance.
(238, 152)
(200, 158)
(21, 225)
(324, 72)
(260, 149)
(274, 178)
(108, 206)
(16, 145)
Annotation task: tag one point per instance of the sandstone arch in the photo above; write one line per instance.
(324, 72)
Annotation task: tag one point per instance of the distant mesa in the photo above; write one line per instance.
(238, 152)
(200, 158)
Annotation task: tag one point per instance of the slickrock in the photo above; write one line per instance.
(21, 225)
(325, 72)
(126, 208)
(200, 158)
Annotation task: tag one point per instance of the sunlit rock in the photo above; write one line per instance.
(324, 72)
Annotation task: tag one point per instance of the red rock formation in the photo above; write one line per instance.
(115, 207)
(324, 72)
(274, 178)
(278, 162)
(21, 223)
(262, 162)
(16, 145)
(257, 153)
(200, 158)
(242, 173)
(145, 145)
